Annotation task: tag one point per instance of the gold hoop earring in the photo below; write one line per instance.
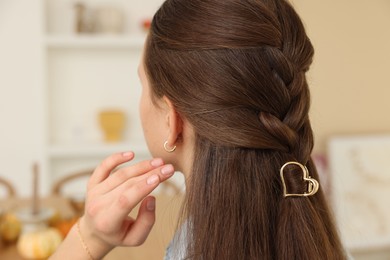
(167, 149)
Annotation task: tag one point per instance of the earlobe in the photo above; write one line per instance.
(174, 123)
(169, 150)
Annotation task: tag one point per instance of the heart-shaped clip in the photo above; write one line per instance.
(312, 187)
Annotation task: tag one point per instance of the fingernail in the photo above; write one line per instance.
(151, 204)
(127, 154)
(167, 169)
(153, 179)
(157, 162)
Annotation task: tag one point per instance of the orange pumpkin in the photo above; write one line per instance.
(64, 226)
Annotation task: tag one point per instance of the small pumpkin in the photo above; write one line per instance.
(55, 218)
(39, 244)
(64, 226)
(10, 227)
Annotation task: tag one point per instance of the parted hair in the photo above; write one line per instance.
(235, 69)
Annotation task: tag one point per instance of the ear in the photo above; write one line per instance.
(174, 122)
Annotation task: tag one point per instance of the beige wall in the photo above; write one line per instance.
(350, 76)
(21, 91)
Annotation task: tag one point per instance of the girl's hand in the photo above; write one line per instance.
(111, 196)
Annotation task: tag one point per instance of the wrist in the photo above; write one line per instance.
(93, 246)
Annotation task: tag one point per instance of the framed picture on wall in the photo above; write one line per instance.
(360, 170)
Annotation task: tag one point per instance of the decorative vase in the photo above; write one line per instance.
(112, 122)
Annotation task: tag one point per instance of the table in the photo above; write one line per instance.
(167, 209)
(9, 252)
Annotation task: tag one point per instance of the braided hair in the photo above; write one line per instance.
(235, 69)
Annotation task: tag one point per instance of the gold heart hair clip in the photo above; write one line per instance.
(312, 186)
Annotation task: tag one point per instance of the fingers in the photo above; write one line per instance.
(133, 192)
(143, 224)
(107, 166)
(125, 174)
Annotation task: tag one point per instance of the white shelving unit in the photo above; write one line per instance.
(85, 74)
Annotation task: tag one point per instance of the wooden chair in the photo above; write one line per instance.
(10, 190)
(59, 184)
(76, 202)
(167, 186)
(167, 189)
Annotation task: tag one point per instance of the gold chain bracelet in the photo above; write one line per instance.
(82, 240)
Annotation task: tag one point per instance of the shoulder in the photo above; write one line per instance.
(177, 247)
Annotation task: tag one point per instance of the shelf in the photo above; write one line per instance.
(95, 41)
(61, 151)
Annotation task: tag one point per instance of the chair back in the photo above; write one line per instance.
(8, 187)
(58, 186)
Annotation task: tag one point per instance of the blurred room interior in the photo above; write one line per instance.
(69, 97)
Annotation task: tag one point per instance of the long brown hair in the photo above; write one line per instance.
(235, 69)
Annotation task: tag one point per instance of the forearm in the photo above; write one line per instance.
(79, 245)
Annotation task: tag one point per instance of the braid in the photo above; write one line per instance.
(292, 124)
(288, 63)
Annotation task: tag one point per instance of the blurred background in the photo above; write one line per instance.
(69, 97)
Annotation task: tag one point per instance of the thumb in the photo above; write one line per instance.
(143, 223)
